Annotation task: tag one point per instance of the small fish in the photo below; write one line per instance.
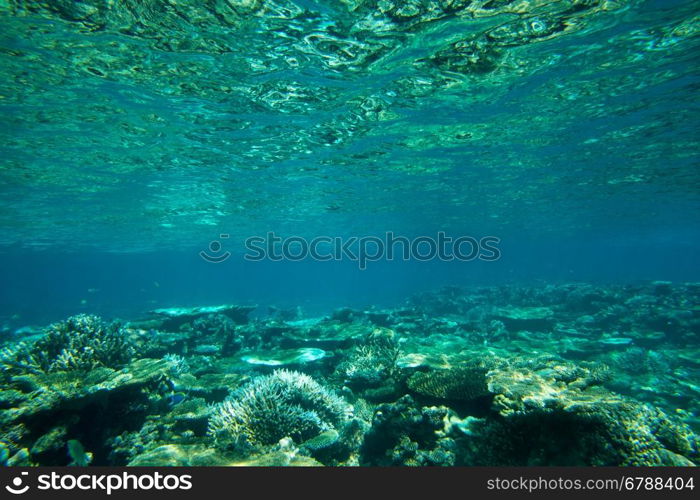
(176, 398)
(93, 290)
(156, 284)
(77, 453)
(83, 302)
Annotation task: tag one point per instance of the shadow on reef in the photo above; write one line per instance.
(555, 375)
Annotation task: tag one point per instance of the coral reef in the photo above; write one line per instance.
(463, 389)
(270, 408)
(171, 319)
(373, 361)
(217, 330)
(43, 412)
(554, 375)
(79, 343)
(553, 411)
(372, 367)
(404, 434)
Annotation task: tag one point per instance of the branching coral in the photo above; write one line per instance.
(375, 361)
(272, 407)
(79, 343)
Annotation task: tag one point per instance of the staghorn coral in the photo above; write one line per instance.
(269, 408)
(177, 364)
(80, 343)
(373, 362)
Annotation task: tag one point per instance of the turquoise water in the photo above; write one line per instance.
(142, 140)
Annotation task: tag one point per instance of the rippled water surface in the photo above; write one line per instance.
(138, 124)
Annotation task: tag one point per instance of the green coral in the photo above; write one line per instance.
(80, 343)
(269, 408)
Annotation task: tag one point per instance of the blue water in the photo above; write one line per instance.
(46, 286)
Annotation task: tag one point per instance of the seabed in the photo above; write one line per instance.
(572, 374)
